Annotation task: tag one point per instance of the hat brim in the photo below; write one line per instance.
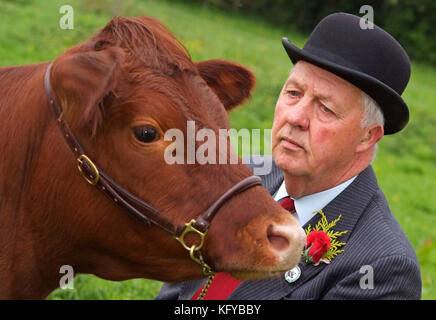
(395, 110)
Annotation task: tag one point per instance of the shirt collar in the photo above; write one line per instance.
(308, 205)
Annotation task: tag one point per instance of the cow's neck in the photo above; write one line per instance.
(25, 255)
(27, 275)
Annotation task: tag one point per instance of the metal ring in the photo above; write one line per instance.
(189, 228)
(207, 270)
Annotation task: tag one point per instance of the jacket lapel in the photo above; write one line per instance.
(351, 203)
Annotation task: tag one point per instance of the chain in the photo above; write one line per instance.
(206, 287)
(195, 254)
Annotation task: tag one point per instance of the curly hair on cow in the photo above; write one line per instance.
(146, 42)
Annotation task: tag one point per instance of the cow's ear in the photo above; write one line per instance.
(231, 82)
(82, 77)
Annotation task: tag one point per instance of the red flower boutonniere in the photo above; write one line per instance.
(321, 243)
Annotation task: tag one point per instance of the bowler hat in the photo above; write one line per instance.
(369, 58)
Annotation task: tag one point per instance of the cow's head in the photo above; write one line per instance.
(121, 92)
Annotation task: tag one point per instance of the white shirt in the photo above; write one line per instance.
(309, 205)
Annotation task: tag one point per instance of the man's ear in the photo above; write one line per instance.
(82, 77)
(372, 135)
(231, 82)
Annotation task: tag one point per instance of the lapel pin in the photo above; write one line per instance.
(293, 274)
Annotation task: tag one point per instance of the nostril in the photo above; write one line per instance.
(277, 240)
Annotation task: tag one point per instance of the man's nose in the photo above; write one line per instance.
(298, 115)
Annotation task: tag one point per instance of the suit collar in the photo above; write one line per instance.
(351, 203)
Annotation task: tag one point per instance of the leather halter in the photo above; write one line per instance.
(141, 210)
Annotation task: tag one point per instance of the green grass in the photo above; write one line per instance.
(406, 162)
(89, 287)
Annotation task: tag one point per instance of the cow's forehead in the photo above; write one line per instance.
(176, 98)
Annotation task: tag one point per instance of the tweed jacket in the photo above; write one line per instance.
(378, 261)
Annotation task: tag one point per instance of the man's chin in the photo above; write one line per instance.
(288, 164)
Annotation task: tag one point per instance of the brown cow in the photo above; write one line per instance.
(119, 93)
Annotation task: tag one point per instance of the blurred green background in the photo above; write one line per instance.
(405, 164)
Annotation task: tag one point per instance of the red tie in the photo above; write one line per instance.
(223, 284)
(288, 204)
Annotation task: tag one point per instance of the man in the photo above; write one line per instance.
(342, 96)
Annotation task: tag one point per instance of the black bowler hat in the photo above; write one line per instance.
(371, 59)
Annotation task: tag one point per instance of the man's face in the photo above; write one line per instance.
(316, 126)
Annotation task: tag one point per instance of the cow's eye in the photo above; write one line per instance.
(146, 134)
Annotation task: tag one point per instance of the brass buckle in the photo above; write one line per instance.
(95, 177)
(194, 249)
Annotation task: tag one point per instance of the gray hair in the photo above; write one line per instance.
(372, 114)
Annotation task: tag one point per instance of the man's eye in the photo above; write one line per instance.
(293, 93)
(325, 109)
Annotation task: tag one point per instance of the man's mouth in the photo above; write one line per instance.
(290, 144)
